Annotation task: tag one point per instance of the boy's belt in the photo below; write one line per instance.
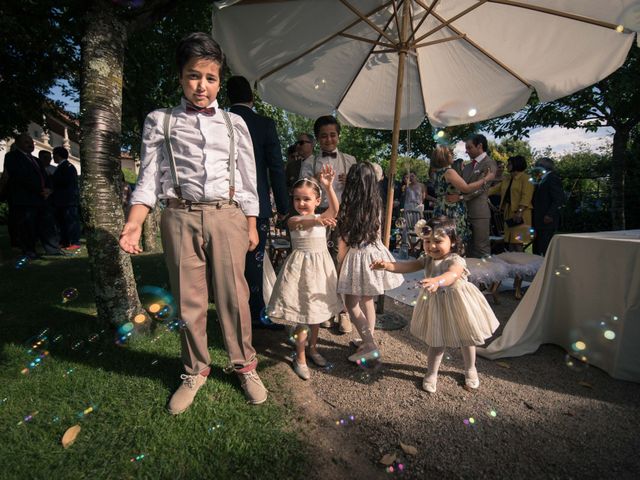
(191, 205)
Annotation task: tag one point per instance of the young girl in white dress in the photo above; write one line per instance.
(305, 290)
(451, 311)
(358, 245)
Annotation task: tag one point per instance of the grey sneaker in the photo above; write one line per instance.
(345, 323)
(184, 395)
(253, 387)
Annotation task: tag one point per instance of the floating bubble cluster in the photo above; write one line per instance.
(158, 302)
(69, 294)
(28, 418)
(346, 421)
(562, 271)
(22, 262)
(216, 426)
(137, 458)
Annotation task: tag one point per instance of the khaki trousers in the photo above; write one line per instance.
(207, 245)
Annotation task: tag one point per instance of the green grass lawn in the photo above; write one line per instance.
(220, 436)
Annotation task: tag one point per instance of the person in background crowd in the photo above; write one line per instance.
(548, 197)
(270, 173)
(66, 200)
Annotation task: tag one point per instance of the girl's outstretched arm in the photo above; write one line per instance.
(327, 174)
(398, 267)
(447, 278)
(310, 221)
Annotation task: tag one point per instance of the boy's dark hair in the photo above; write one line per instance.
(44, 154)
(198, 45)
(325, 120)
(479, 139)
(359, 215)
(444, 225)
(61, 152)
(518, 163)
(239, 90)
(291, 149)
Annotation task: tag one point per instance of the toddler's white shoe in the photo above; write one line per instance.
(471, 380)
(428, 386)
(301, 370)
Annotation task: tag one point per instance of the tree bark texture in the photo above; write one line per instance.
(618, 174)
(103, 47)
(150, 231)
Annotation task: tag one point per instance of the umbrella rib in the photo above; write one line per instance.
(446, 23)
(442, 40)
(318, 45)
(426, 14)
(395, 16)
(367, 40)
(466, 38)
(365, 18)
(557, 13)
(365, 61)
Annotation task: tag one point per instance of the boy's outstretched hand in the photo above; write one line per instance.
(378, 265)
(130, 238)
(327, 174)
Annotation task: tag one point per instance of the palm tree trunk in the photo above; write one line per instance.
(102, 51)
(618, 174)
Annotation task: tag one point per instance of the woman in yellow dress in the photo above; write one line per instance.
(516, 192)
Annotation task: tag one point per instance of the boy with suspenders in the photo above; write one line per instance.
(199, 159)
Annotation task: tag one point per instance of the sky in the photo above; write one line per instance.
(561, 140)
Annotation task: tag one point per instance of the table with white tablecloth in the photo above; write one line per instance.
(586, 299)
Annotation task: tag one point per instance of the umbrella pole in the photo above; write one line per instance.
(395, 140)
(395, 136)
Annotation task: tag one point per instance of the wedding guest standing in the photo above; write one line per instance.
(547, 200)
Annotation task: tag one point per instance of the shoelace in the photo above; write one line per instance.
(189, 380)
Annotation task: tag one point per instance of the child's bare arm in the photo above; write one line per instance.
(307, 222)
(447, 278)
(326, 177)
(398, 267)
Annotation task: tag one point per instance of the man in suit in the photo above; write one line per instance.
(66, 198)
(270, 173)
(547, 200)
(478, 211)
(28, 192)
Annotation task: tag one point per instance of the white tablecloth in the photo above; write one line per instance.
(585, 298)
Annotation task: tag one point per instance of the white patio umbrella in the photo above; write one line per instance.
(386, 64)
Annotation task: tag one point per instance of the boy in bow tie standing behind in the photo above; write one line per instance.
(327, 131)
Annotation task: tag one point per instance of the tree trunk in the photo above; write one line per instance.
(150, 230)
(103, 47)
(618, 173)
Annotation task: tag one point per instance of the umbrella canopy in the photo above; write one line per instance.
(386, 64)
(467, 60)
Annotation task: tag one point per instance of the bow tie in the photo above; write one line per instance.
(209, 111)
(329, 154)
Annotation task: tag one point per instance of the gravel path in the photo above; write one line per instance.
(532, 417)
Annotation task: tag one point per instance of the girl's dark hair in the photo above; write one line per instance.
(518, 163)
(440, 225)
(198, 45)
(359, 215)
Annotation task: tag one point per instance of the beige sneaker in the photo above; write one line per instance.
(253, 387)
(326, 324)
(345, 323)
(184, 395)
